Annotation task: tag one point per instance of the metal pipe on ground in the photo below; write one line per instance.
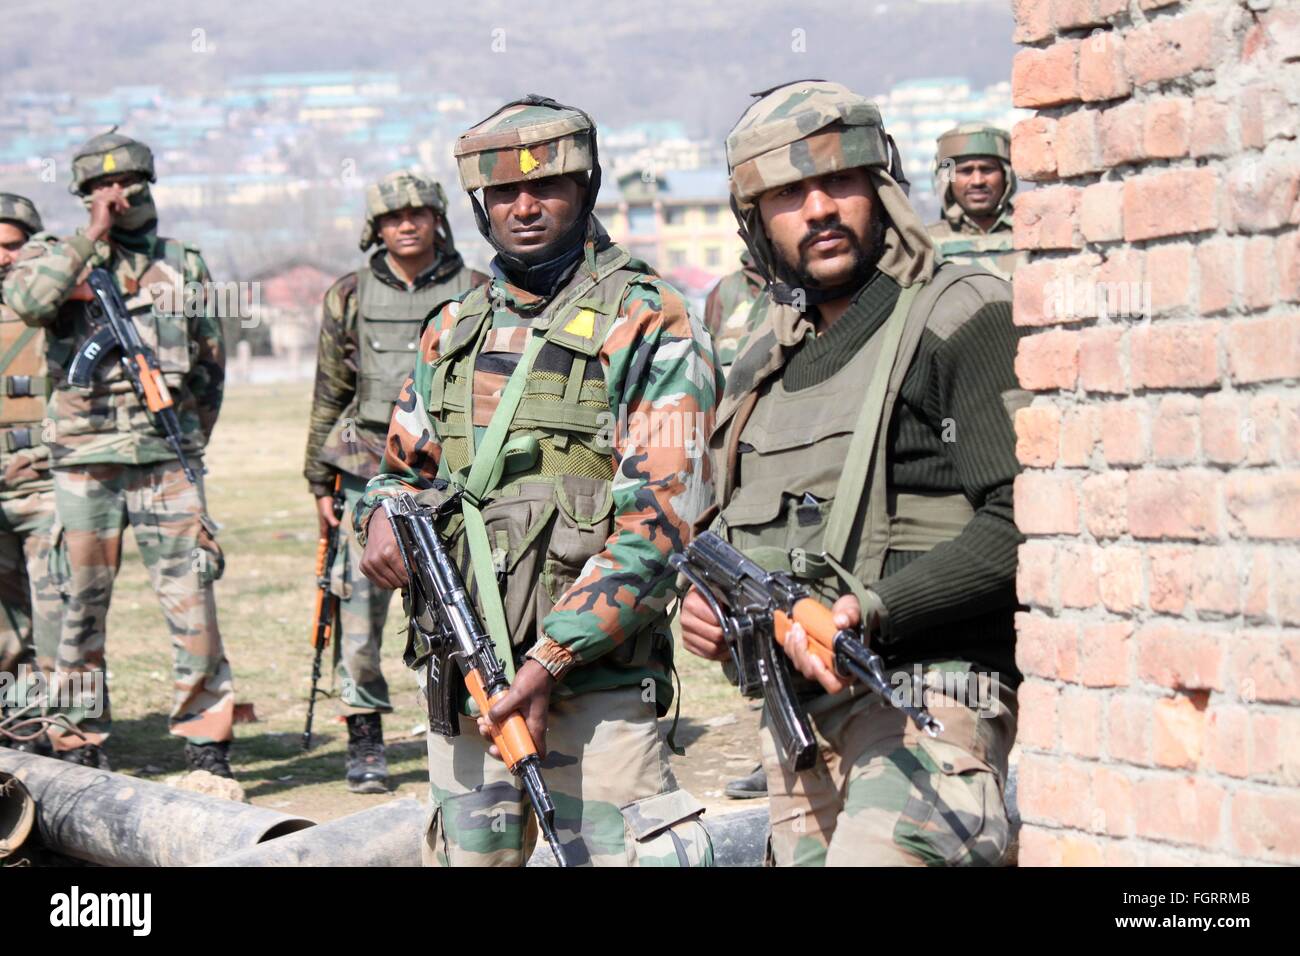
(387, 835)
(17, 814)
(116, 820)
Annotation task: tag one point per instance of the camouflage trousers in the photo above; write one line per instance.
(882, 793)
(168, 517)
(363, 609)
(616, 800)
(30, 604)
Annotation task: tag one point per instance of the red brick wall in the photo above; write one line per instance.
(1161, 492)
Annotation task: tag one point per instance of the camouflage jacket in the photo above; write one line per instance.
(656, 358)
(23, 471)
(336, 438)
(729, 305)
(165, 286)
(960, 240)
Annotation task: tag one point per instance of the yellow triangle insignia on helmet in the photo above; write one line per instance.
(110, 163)
(526, 161)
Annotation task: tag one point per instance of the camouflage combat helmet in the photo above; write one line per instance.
(529, 138)
(963, 142)
(20, 211)
(110, 153)
(404, 189)
(794, 131)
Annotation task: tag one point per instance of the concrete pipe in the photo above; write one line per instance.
(387, 835)
(17, 814)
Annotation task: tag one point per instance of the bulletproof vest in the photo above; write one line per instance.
(24, 387)
(389, 323)
(784, 453)
(551, 507)
(993, 251)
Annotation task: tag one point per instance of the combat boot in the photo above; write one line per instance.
(747, 788)
(367, 770)
(86, 756)
(213, 757)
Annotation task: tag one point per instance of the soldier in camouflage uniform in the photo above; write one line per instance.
(600, 383)
(864, 445)
(111, 464)
(370, 330)
(727, 309)
(30, 606)
(974, 181)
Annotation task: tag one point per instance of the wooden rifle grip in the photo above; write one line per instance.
(818, 623)
(512, 738)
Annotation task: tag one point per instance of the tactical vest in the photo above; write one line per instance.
(389, 324)
(24, 387)
(549, 506)
(784, 459)
(992, 251)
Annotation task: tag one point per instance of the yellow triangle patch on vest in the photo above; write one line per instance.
(583, 324)
(526, 161)
(110, 163)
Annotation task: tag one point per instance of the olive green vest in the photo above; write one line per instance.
(24, 386)
(803, 476)
(389, 324)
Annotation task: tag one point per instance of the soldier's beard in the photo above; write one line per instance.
(866, 255)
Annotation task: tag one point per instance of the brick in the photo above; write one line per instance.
(1173, 504)
(1263, 350)
(1227, 740)
(1288, 266)
(1211, 134)
(1266, 666)
(1264, 506)
(1037, 726)
(1068, 294)
(1120, 579)
(1081, 722)
(1288, 424)
(1047, 647)
(1175, 356)
(1033, 149)
(1039, 847)
(1120, 853)
(1120, 131)
(1101, 68)
(1222, 429)
(1033, 20)
(1177, 728)
(1154, 4)
(1105, 504)
(1285, 579)
(1179, 657)
(1046, 219)
(1124, 432)
(1112, 795)
(1175, 430)
(1032, 294)
(1101, 212)
(1264, 114)
(1274, 38)
(1078, 147)
(1262, 194)
(1256, 605)
(1045, 77)
(1182, 809)
(1053, 791)
(1102, 360)
(1261, 429)
(1216, 583)
(1072, 14)
(1169, 269)
(1078, 435)
(1275, 747)
(1264, 824)
(1048, 360)
(1078, 571)
(1121, 275)
(1172, 203)
(1257, 291)
(1171, 578)
(1167, 128)
(1128, 726)
(1170, 48)
(1219, 263)
(1105, 655)
(1046, 504)
(1038, 435)
(1080, 851)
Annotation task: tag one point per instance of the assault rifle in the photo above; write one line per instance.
(115, 331)
(327, 604)
(437, 587)
(756, 609)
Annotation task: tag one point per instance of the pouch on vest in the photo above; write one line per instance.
(665, 830)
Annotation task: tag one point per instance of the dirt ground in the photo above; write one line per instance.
(257, 493)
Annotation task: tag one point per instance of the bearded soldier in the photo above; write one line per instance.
(370, 330)
(29, 600)
(974, 181)
(599, 383)
(864, 445)
(728, 307)
(111, 462)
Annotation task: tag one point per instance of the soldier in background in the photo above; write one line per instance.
(111, 463)
(370, 332)
(30, 605)
(727, 309)
(975, 183)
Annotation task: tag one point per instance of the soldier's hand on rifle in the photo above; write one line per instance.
(847, 614)
(105, 202)
(530, 695)
(325, 512)
(701, 633)
(382, 561)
